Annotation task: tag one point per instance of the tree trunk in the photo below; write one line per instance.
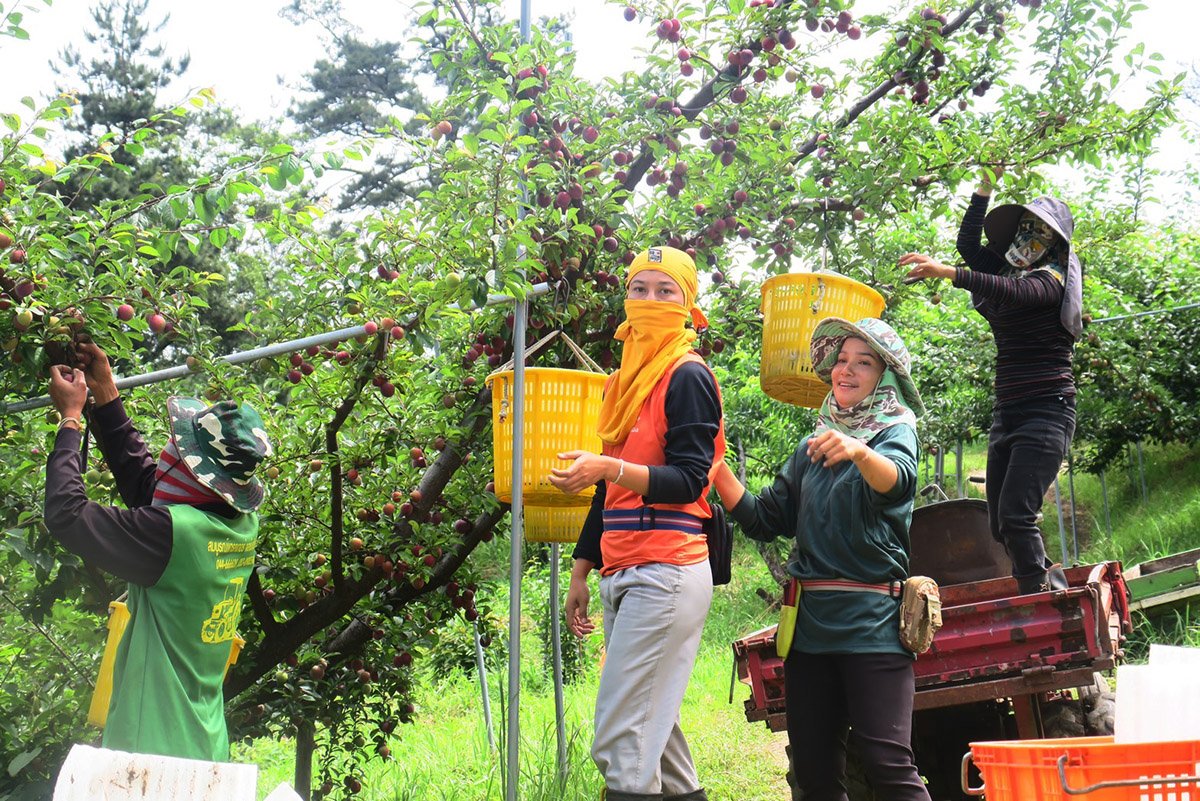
(305, 742)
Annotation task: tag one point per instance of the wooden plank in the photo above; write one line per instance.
(1164, 602)
(1157, 583)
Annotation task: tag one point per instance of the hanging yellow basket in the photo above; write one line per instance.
(562, 410)
(792, 305)
(554, 523)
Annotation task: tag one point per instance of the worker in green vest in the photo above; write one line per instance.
(185, 543)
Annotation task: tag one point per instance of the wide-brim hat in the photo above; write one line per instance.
(221, 445)
(831, 332)
(1000, 224)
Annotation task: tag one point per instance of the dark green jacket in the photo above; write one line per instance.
(843, 529)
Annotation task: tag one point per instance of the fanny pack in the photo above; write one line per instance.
(920, 608)
(920, 613)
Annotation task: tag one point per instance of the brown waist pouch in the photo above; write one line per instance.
(920, 613)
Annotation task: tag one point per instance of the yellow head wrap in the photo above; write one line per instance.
(655, 336)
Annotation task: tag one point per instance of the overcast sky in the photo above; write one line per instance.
(242, 48)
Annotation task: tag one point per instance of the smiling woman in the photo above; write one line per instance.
(846, 497)
(856, 372)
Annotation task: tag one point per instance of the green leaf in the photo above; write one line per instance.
(18, 763)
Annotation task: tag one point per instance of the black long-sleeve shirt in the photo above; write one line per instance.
(133, 544)
(1033, 350)
(693, 409)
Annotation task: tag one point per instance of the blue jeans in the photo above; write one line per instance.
(1026, 448)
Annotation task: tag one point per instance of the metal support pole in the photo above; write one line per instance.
(555, 612)
(481, 669)
(1104, 495)
(958, 468)
(516, 555)
(1142, 472)
(1062, 529)
(1071, 491)
(1130, 467)
(254, 354)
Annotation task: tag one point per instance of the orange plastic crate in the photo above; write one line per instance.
(1092, 768)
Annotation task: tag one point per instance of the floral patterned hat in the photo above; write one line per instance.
(827, 344)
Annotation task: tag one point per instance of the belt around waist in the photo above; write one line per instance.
(891, 589)
(646, 518)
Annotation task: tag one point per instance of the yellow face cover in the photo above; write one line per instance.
(655, 337)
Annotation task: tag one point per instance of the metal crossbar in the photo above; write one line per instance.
(242, 357)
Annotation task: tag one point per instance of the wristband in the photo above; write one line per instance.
(620, 472)
(66, 420)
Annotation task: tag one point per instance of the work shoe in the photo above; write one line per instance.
(694, 795)
(1052, 579)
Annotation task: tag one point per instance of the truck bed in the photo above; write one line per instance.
(993, 643)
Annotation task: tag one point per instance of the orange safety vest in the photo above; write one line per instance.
(665, 533)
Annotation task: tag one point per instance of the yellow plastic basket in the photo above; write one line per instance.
(554, 524)
(562, 410)
(118, 619)
(792, 305)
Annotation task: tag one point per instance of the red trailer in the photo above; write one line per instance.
(1003, 666)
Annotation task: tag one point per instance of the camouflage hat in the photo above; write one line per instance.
(831, 332)
(221, 445)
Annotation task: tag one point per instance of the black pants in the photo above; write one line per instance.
(870, 693)
(1026, 447)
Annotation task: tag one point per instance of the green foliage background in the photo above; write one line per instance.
(228, 230)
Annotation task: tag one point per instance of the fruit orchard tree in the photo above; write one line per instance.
(756, 135)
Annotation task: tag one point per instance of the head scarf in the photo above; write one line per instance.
(174, 482)
(655, 336)
(883, 408)
(1001, 224)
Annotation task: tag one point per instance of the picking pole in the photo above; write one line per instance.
(254, 354)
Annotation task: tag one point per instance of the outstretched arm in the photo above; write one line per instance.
(133, 544)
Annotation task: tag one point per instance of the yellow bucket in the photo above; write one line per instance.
(562, 410)
(554, 524)
(118, 619)
(792, 305)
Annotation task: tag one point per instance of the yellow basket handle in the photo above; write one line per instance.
(581, 357)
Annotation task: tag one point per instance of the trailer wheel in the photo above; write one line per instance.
(1099, 706)
(1092, 714)
(1064, 718)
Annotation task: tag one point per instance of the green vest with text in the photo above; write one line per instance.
(167, 697)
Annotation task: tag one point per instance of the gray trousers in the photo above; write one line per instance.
(653, 616)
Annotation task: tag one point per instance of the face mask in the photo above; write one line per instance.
(1033, 238)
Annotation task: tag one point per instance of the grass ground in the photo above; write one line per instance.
(445, 755)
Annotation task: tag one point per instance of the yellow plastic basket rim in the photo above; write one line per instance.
(837, 278)
(547, 370)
